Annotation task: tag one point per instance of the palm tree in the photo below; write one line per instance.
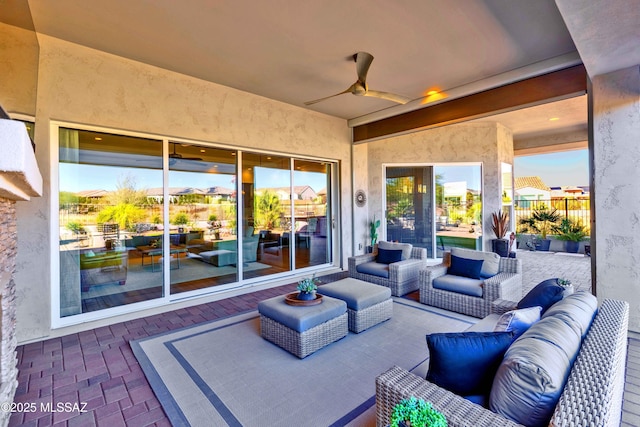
(268, 210)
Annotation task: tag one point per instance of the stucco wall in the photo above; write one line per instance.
(82, 85)
(616, 134)
(487, 143)
(19, 69)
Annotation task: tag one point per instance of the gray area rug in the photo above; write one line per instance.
(223, 373)
(143, 277)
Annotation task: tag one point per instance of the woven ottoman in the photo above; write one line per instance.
(302, 330)
(367, 304)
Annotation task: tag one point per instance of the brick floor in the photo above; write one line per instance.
(97, 367)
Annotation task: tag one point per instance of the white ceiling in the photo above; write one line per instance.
(295, 51)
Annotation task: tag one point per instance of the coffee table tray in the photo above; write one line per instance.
(292, 299)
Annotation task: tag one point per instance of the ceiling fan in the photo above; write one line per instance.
(179, 156)
(363, 62)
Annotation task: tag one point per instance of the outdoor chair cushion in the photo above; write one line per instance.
(357, 294)
(518, 321)
(387, 256)
(532, 376)
(490, 266)
(466, 362)
(301, 319)
(544, 294)
(374, 269)
(465, 267)
(459, 284)
(406, 248)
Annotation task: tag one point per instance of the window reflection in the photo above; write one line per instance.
(104, 202)
(435, 207)
(202, 217)
(117, 246)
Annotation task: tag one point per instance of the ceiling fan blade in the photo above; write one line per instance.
(363, 62)
(327, 97)
(388, 96)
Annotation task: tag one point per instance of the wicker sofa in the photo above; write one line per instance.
(592, 394)
(401, 277)
(506, 285)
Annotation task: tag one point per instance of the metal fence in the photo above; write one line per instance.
(575, 209)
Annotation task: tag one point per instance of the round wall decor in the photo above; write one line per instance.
(361, 198)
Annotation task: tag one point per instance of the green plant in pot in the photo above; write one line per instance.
(373, 232)
(500, 227)
(541, 222)
(307, 288)
(572, 232)
(413, 412)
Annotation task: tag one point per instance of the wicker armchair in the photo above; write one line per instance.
(506, 285)
(592, 394)
(403, 275)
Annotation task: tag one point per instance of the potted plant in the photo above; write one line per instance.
(214, 226)
(572, 232)
(373, 233)
(541, 222)
(500, 226)
(413, 412)
(307, 288)
(566, 285)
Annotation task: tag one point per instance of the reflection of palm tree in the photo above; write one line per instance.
(268, 210)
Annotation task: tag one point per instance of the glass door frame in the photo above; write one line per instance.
(433, 165)
(54, 186)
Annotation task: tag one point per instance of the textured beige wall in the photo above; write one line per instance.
(18, 69)
(616, 134)
(487, 143)
(86, 86)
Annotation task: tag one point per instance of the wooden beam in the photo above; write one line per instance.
(556, 85)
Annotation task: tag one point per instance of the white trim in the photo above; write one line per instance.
(54, 224)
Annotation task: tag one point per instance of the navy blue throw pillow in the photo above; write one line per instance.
(466, 362)
(544, 294)
(465, 267)
(387, 256)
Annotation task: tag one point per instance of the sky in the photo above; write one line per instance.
(567, 168)
(78, 177)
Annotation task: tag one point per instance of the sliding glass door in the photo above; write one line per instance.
(410, 206)
(202, 217)
(266, 191)
(434, 206)
(312, 216)
(140, 216)
(104, 183)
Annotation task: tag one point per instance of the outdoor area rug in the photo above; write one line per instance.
(223, 373)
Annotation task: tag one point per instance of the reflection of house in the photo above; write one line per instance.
(455, 192)
(530, 188)
(570, 192)
(92, 194)
(220, 193)
(178, 194)
(300, 192)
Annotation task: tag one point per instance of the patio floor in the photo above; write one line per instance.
(99, 368)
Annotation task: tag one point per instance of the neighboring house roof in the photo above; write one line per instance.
(531, 182)
(219, 191)
(173, 191)
(92, 193)
(302, 191)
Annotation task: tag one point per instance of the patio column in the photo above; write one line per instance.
(616, 195)
(19, 180)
